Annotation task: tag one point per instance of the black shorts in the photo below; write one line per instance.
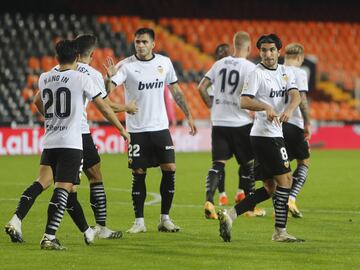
(229, 141)
(150, 149)
(90, 152)
(296, 145)
(270, 157)
(65, 163)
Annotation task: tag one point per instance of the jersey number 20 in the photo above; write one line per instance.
(62, 108)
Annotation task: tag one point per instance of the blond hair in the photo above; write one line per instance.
(241, 39)
(293, 50)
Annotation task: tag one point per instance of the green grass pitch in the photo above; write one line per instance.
(330, 203)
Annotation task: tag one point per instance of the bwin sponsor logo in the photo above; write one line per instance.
(277, 93)
(150, 85)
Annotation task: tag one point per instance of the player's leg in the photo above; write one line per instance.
(220, 153)
(66, 165)
(165, 156)
(139, 159)
(299, 178)
(98, 202)
(297, 148)
(27, 199)
(223, 198)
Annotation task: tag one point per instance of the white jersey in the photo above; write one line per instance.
(98, 80)
(144, 82)
(62, 93)
(302, 83)
(269, 86)
(227, 76)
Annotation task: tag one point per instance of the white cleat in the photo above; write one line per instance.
(167, 225)
(137, 228)
(89, 236)
(280, 235)
(225, 225)
(105, 233)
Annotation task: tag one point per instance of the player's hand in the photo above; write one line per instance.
(110, 67)
(131, 107)
(193, 129)
(285, 116)
(125, 135)
(272, 116)
(307, 132)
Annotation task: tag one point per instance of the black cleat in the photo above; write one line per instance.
(15, 236)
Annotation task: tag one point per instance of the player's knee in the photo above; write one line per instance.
(94, 174)
(270, 186)
(45, 182)
(305, 162)
(218, 166)
(168, 167)
(139, 171)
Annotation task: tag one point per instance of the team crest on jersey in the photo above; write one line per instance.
(285, 77)
(130, 161)
(286, 164)
(160, 69)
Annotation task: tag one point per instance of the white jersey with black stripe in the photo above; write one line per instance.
(98, 80)
(227, 76)
(63, 94)
(144, 82)
(302, 83)
(269, 86)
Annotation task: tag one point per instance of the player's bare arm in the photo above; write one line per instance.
(204, 84)
(304, 108)
(111, 70)
(252, 104)
(294, 102)
(130, 108)
(181, 102)
(38, 103)
(111, 117)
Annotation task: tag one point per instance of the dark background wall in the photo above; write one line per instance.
(319, 10)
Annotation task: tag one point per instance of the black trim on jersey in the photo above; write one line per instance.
(105, 96)
(269, 68)
(96, 96)
(173, 82)
(65, 70)
(56, 69)
(114, 83)
(208, 78)
(294, 88)
(153, 56)
(248, 95)
(303, 91)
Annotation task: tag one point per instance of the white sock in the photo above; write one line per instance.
(140, 221)
(164, 217)
(16, 222)
(232, 213)
(223, 193)
(49, 236)
(240, 190)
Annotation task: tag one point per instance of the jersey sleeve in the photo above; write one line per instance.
(291, 80)
(120, 77)
(171, 77)
(302, 81)
(99, 82)
(90, 89)
(251, 84)
(211, 74)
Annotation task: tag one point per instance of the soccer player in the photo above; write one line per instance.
(144, 76)
(91, 162)
(231, 125)
(271, 91)
(297, 130)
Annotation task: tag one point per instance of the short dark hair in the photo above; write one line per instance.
(221, 51)
(142, 31)
(86, 42)
(66, 51)
(271, 38)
